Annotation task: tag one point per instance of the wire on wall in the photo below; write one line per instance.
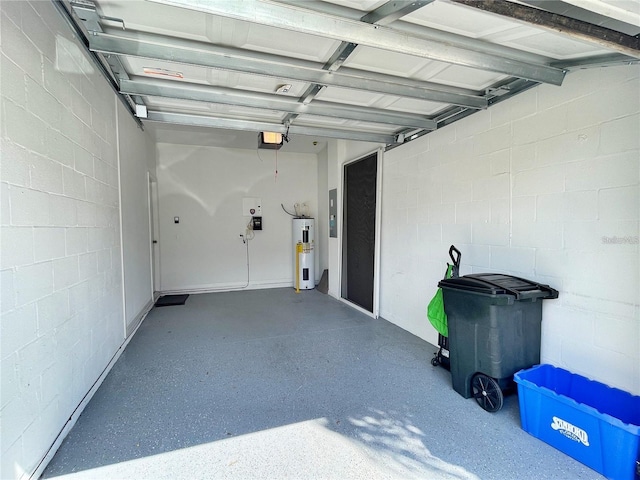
(249, 234)
(246, 243)
(285, 210)
(262, 161)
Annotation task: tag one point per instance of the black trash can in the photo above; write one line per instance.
(494, 325)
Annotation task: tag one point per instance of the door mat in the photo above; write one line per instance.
(169, 300)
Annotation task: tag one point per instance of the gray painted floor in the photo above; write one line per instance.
(276, 385)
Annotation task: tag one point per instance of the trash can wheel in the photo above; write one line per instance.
(435, 361)
(487, 392)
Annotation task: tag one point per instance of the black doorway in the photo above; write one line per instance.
(359, 232)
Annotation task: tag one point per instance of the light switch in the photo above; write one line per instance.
(176, 219)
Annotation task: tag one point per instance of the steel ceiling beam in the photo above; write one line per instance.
(86, 11)
(235, 124)
(313, 23)
(383, 15)
(598, 61)
(228, 96)
(441, 36)
(393, 10)
(206, 55)
(572, 27)
(75, 25)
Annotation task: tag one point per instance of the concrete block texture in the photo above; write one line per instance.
(620, 135)
(593, 174)
(55, 82)
(17, 247)
(29, 207)
(25, 128)
(550, 191)
(13, 81)
(619, 100)
(16, 45)
(14, 164)
(7, 291)
(61, 320)
(42, 103)
(49, 243)
(34, 282)
(46, 174)
(621, 203)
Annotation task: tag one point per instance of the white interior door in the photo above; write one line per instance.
(154, 235)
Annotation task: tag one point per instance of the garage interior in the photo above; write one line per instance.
(219, 388)
(133, 141)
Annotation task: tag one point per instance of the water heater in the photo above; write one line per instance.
(303, 254)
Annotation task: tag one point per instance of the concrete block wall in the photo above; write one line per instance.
(62, 313)
(543, 186)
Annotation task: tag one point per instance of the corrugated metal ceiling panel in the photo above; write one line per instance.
(371, 73)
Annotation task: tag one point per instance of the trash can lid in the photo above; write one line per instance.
(499, 284)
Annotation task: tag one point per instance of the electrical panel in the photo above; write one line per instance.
(333, 213)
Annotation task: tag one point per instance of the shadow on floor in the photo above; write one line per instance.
(270, 384)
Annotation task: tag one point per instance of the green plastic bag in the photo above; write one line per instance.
(435, 309)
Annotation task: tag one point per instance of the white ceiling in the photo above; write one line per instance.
(215, 66)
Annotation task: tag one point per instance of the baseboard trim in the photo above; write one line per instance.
(133, 326)
(73, 418)
(231, 287)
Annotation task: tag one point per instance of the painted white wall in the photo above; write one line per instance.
(322, 218)
(204, 187)
(137, 155)
(61, 279)
(335, 157)
(543, 186)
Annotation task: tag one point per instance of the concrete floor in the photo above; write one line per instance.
(270, 384)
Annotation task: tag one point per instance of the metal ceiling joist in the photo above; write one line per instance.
(383, 15)
(339, 56)
(577, 29)
(313, 23)
(234, 124)
(74, 24)
(243, 98)
(87, 12)
(207, 55)
(393, 10)
(441, 36)
(598, 61)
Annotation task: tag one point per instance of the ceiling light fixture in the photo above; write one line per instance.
(284, 88)
(270, 140)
